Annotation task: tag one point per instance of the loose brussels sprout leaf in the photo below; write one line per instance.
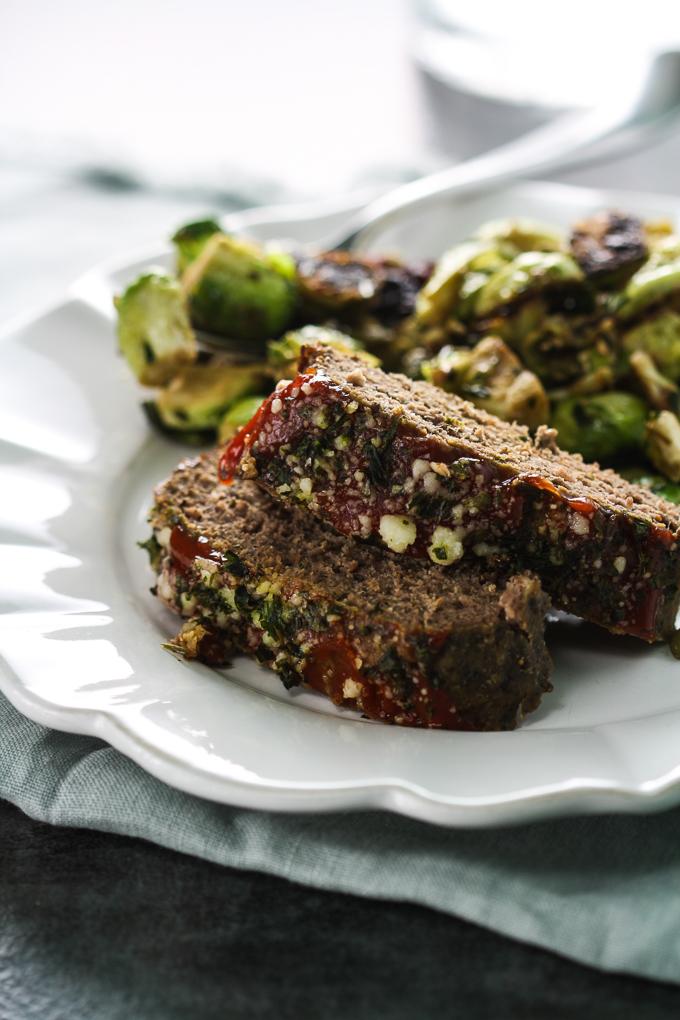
(609, 247)
(191, 239)
(659, 337)
(526, 274)
(657, 483)
(238, 415)
(492, 377)
(651, 284)
(601, 427)
(195, 402)
(283, 355)
(660, 392)
(236, 290)
(438, 299)
(663, 444)
(154, 332)
(521, 235)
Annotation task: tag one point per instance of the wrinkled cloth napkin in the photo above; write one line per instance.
(602, 890)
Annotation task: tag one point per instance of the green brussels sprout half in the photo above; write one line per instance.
(191, 239)
(653, 283)
(659, 337)
(154, 333)
(521, 234)
(663, 444)
(238, 290)
(601, 427)
(238, 415)
(196, 401)
(527, 273)
(438, 299)
(660, 392)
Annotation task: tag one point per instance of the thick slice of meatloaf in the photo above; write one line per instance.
(387, 636)
(431, 476)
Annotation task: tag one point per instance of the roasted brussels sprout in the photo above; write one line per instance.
(657, 483)
(660, 392)
(602, 427)
(654, 283)
(191, 239)
(283, 354)
(239, 414)
(558, 347)
(609, 247)
(527, 273)
(194, 404)
(492, 377)
(663, 444)
(517, 235)
(658, 336)
(154, 332)
(238, 290)
(439, 298)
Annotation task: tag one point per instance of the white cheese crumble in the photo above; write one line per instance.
(164, 588)
(446, 546)
(351, 689)
(365, 522)
(397, 532)
(430, 483)
(419, 468)
(580, 524)
(306, 486)
(163, 537)
(620, 564)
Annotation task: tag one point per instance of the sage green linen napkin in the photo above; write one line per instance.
(604, 891)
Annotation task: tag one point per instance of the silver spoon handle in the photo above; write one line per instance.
(569, 140)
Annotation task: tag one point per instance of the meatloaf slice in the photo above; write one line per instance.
(387, 636)
(431, 476)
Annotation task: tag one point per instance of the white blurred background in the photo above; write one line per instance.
(118, 121)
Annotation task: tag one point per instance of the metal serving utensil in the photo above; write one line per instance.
(651, 105)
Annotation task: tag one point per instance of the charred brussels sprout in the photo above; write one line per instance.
(196, 401)
(492, 377)
(238, 290)
(238, 415)
(609, 247)
(663, 444)
(154, 332)
(527, 273)
(283, 355)
(601, 427)
(191, 239)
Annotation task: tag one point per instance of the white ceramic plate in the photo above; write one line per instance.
(80, 637)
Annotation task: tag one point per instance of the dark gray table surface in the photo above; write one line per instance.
(100, 927)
